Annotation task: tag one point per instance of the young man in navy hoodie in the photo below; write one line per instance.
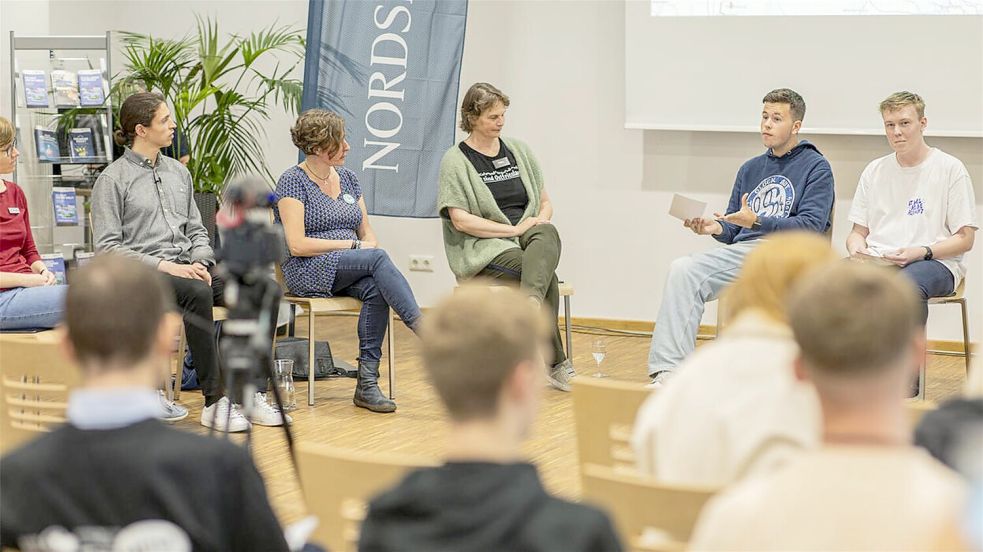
(483, 351)
(789, 187)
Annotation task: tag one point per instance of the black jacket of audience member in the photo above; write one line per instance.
(955, 427)
(95, 486)
(481, 506)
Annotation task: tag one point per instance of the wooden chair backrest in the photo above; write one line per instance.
(643, 506)
(604, 413)
(339, 483)
(35, 379)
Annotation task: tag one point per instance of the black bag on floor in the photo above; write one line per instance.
(295, 349)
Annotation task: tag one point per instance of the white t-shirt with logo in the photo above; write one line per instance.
(915, 206)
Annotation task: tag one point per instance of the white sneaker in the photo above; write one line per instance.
(661, 378)
(169, 410)
(214, 416)
(266, 414)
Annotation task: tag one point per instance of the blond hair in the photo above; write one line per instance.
(6, 132)
(478, 99)
(900, 100)
(772, 269)
(317, 130)
(854, 320)
(474, 340)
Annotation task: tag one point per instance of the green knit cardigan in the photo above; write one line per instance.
(461, 187)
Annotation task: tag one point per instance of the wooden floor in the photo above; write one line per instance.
(418, 424)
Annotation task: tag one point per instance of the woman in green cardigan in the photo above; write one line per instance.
(496, 212)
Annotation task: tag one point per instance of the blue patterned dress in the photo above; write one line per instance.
(325, 218)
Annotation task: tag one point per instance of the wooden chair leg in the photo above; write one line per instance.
(311, 360)
(921, 379)
(391, 342)
(966, 346)
(567, 327)
(174, 386)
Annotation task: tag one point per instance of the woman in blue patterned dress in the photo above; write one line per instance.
(333, 250)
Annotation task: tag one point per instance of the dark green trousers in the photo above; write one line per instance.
(532, 265)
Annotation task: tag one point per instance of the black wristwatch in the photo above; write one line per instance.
(756, 225)
(928, 253)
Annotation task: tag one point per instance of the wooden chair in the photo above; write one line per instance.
(339, 483)
(35, 379)
(341, 305)
(957, 297)
(177, 371)
(604, 413)
(651, 515)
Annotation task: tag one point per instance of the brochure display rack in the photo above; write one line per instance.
(62, 112)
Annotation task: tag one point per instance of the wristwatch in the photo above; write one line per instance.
(928, 253)
(756, 225)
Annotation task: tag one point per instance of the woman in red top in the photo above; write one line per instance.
(29, 297)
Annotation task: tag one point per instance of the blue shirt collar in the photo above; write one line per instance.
(111, 408)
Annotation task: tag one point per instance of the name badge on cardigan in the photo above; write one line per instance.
(348, 199)
(13, 210)
(501, 162)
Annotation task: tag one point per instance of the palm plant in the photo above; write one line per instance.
(221, 92)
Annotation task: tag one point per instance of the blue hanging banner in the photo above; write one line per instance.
(392, 69)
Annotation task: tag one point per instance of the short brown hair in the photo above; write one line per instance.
(480, 97)
(902, 99)
(472, 343)
(6, 132)
(772, 269)
(138, 109)
(113, 310)
(788, 96)
(854, 320)
(318, 129)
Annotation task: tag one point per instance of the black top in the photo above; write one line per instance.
(501, 174)
(98, 484)
(476, 506)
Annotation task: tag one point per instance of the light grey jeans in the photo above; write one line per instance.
(692, 282)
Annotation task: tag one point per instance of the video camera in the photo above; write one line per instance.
(250, 244)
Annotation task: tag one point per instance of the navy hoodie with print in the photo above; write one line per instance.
(791, 192)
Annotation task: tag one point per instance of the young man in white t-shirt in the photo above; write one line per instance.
(914, 208)
(866, 487)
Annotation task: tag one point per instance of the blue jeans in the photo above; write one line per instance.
(371, 277)
(32, 308)
(931, 279)
(692, 281)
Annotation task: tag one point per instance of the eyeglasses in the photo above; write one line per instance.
(9, 150)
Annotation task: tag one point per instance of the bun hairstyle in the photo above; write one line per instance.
(138, 109)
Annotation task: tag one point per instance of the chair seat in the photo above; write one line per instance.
(958, 295)
(326, 304)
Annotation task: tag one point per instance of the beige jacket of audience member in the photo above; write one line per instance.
(839, 498)
(734, 408)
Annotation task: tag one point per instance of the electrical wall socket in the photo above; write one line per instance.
(421, 263)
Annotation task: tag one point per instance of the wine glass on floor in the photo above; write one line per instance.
(599, 351)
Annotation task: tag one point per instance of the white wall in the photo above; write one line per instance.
(562, 63)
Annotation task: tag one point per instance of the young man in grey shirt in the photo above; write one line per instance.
(143, 206)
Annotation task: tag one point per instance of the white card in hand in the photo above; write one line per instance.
(686, 208)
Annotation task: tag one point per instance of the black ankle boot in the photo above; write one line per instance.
(367, 392)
